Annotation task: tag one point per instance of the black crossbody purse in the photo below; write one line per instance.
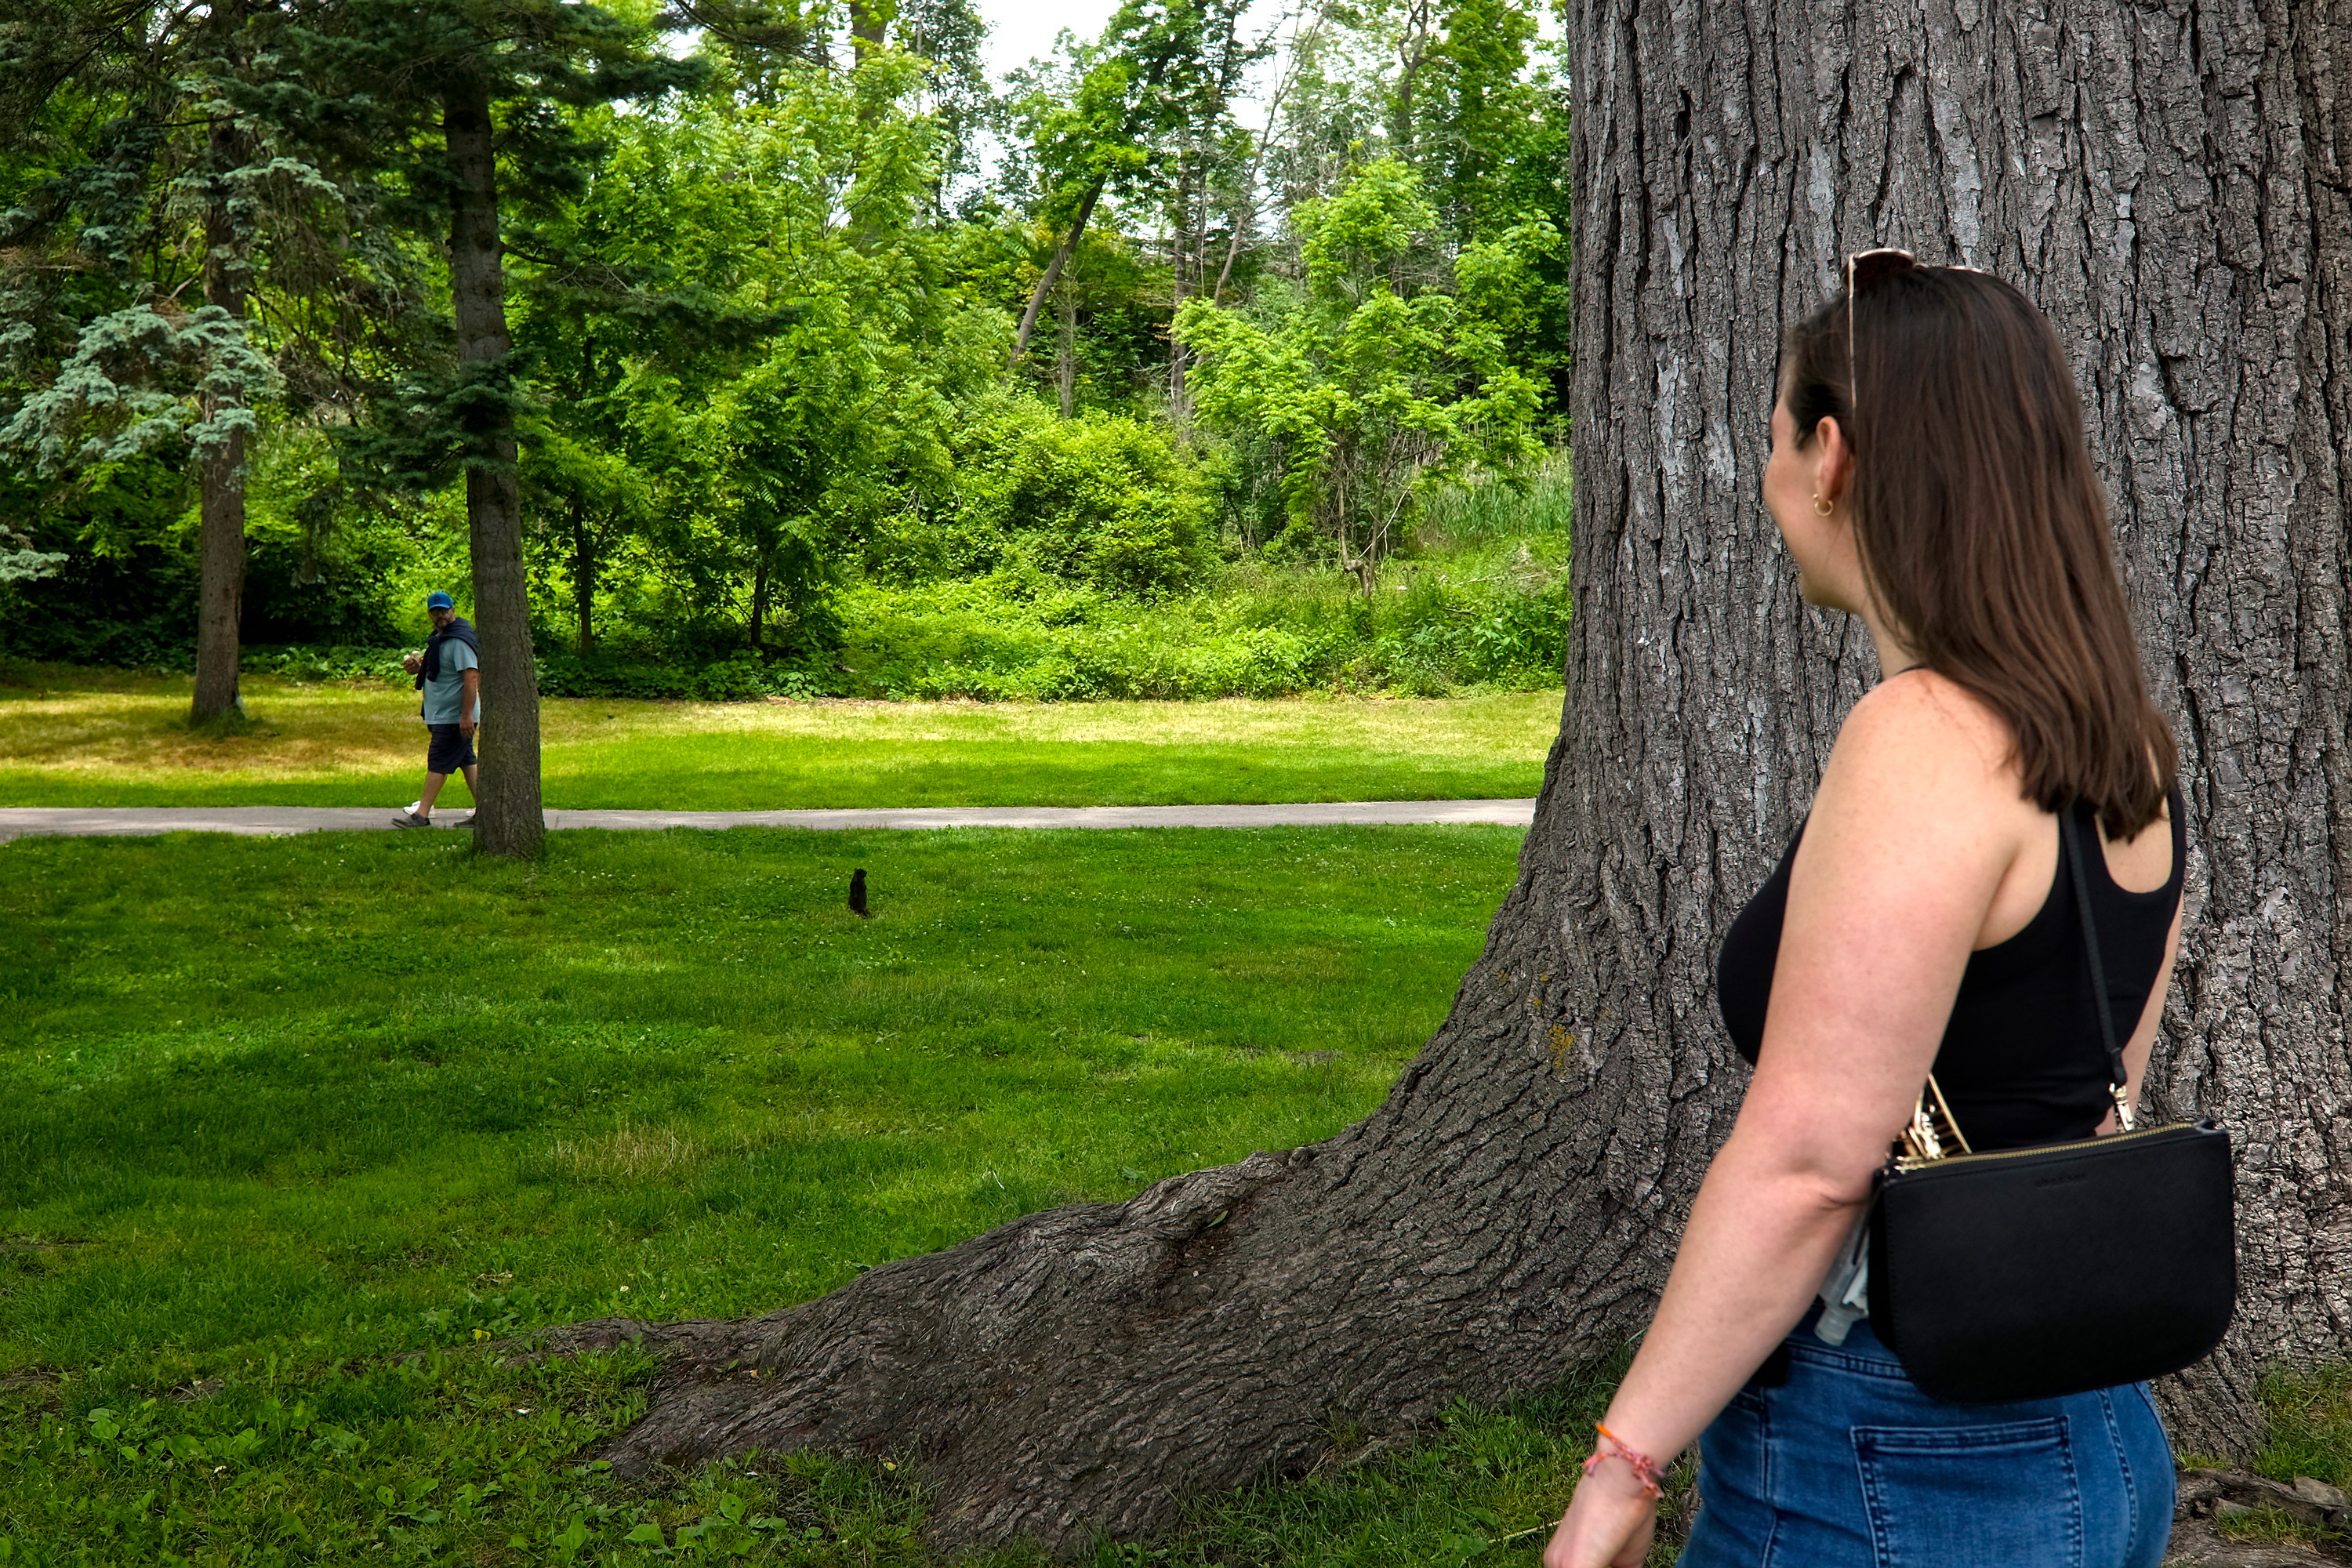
(2033, 1273)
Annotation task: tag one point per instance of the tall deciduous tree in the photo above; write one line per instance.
(1371, 391)
(1157, 62)
(454, 107)
(2172, 186)
(635, 301)
(1478, 113)
(810, 206)
(947, 36)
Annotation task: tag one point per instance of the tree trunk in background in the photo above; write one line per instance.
(1053, 273)
(220, 480)
(583, 578)
(508, 820)
(1065, 355)
(869, 23)
(1180, 252)
(1419, 38)
(2173, 188)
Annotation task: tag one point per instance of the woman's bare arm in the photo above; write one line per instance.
(1917, 820)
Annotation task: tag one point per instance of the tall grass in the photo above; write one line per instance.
(1478, 601)
(1487, 506)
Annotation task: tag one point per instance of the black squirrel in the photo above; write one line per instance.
(857, 892)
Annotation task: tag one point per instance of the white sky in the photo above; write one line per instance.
(1023, 30)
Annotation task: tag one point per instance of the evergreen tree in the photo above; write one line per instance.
(143, 168)
(452, 111)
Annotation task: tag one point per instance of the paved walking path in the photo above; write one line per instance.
(17, 822)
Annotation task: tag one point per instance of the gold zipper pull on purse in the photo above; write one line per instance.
(1932, 1126)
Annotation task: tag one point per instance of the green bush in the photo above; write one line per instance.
(1101, 501)
(742, 677)
(1498, 618)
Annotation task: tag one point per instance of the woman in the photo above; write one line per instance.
(1929, 473)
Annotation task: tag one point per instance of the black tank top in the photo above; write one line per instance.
(2021, 1062)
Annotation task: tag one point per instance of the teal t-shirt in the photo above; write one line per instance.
(445, 690)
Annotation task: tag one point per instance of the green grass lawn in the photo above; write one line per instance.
(296, 1129)
(283, 1113)
(92, 738)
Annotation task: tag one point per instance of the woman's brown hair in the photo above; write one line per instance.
(1980, 524)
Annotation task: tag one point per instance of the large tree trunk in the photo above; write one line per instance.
(2173, 188)
(2219, 365)
(220, 478)
(508, 819)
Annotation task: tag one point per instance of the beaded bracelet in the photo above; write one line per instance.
(1645, 1469)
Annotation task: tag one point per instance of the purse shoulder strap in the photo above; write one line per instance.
(1932, 1120)
(2118, 1079)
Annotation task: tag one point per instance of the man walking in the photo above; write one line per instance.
(449, 674)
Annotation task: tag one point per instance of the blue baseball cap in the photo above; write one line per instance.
(436, 600)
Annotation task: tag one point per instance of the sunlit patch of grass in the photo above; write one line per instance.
(102, 737)
(2309, 1434)
(629, 1153)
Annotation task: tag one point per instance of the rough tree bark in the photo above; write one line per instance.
(508, 819)
(2172, 185)
(220, 480)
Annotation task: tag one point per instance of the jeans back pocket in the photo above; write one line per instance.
(2003, 1496)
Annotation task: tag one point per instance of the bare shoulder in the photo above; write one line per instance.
(1923, 741)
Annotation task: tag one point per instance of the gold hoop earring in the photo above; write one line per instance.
(1823, 508)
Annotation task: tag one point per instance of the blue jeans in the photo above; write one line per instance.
(1847, 1465)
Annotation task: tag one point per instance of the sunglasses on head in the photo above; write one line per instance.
(1863, 269)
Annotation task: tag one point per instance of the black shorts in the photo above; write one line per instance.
(449, 751)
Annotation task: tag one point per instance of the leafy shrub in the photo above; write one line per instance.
(741, 677)
(1496, 620)
(312, 662)
(1101, 501)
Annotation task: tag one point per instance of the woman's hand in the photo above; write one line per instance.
(1608, 1524)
